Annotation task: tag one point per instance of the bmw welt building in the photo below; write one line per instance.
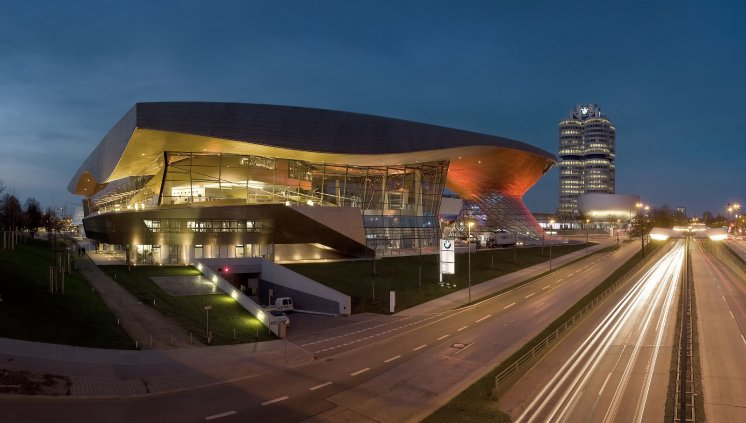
(178, 181)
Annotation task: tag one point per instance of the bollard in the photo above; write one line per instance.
(117, 322)
(153, 303)
(137, 345)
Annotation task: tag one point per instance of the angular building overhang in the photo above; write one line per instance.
(478, 163)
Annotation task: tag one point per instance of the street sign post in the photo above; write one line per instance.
(447, 258)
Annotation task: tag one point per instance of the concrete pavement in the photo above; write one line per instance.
(113, 373)
(145, 325)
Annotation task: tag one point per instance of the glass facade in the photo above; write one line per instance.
(399, 203)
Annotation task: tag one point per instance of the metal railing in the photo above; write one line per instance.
(684, 407)
(505, 378)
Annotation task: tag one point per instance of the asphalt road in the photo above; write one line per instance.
(614, 365)
(398, 371)
(721, 318)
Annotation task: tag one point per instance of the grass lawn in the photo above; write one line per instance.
(29, 312)
(400, 274)
(226, 315)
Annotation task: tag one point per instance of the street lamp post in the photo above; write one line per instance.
(468, 243)
(551, 223)
(587, 222)
(207, 321)
(618, 225)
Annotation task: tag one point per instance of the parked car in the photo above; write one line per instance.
(284, 304)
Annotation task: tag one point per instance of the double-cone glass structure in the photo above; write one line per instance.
(172, 182)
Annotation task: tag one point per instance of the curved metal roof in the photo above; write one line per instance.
(311, 134)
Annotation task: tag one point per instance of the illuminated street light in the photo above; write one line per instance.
(468, 243)
(551, 225)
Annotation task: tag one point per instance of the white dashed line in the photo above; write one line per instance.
(419, 348)
(546, 287)
(560, 280)
(731, 314)
(461, 328)
(508, 306)
(392, 359)
(743, 339)
(319, 386)
(539, 305)
(509, 323)
(217, 416)
(442, 337)
(530, 295)
(483, 318)
(275, 400)
(360, 371)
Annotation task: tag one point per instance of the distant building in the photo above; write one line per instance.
(608, 208)
(587, 153)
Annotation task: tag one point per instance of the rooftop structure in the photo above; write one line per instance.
(172, 182)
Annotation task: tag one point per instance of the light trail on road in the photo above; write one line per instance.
(578, 391)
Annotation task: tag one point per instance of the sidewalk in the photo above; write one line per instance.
(103, 373)
(97, 372)
(140, 321)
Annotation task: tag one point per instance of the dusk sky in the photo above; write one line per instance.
(670, 75)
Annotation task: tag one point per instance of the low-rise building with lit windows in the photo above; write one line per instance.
(174, 182)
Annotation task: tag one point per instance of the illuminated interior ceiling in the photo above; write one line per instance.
(478, 163)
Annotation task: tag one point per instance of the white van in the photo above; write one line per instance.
(284, 304)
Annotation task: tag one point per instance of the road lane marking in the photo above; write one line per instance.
(731, 314)
(420, 347)
(508, 306)
(461, 328)
(275, 400)
(605, 382)
(546, 287)
(483, 318)
(509, 323)
(442, 337)
(744, 339)
(217, 416)
(319, 386)
(530, 295)
(360, 371)
(539, 305)
(560, 279)
(392, 359)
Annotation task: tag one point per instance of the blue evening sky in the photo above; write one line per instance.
(671, 75)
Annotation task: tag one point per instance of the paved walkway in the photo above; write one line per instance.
(145, 325)
(97, 372)
(114, 373)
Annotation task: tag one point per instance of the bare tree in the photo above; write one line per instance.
(11, 215)
(33, 216)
